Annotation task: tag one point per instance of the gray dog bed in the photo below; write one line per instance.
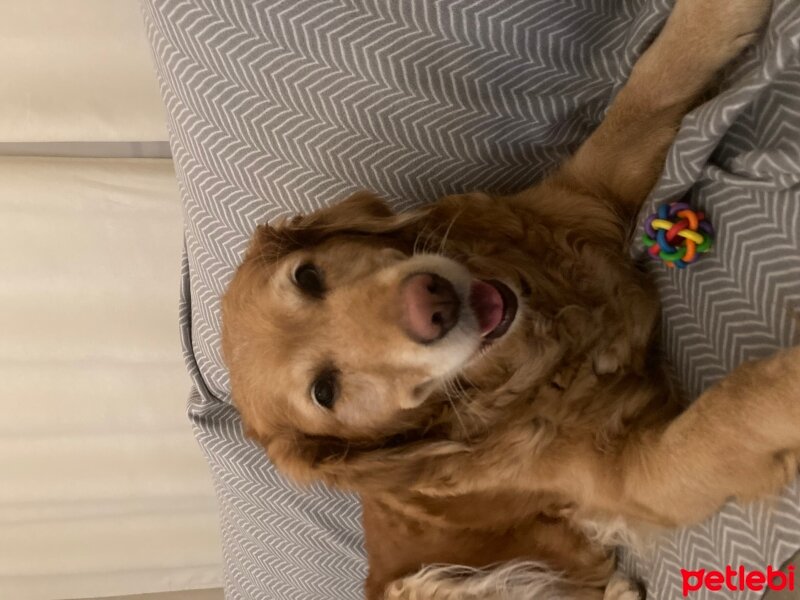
(278, 107)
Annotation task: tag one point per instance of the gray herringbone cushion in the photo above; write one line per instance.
(282, 106)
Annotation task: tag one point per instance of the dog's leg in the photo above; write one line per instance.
(741, 438)
(622, 159)
(517, 580)
(622, 587)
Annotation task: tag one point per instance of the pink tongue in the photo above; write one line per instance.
(487, 303)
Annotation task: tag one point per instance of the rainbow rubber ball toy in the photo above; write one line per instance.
(677, 235)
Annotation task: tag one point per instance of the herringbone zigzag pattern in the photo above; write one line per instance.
(282, 106)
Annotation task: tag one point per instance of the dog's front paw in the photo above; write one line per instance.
(777, 472)
(622, 587)
(769, 389)
(720, 29)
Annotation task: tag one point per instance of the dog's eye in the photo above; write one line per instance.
(324, 389)
(309, 279)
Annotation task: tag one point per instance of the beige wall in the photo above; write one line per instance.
(213, 594)
(77, 71)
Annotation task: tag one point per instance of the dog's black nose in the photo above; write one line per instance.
(430, 307)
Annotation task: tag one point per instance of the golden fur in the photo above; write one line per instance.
(471, 455)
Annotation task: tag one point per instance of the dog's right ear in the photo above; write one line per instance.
(357, 466)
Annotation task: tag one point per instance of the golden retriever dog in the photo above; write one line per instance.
(484, 371)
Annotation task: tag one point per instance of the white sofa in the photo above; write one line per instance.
(104, 490)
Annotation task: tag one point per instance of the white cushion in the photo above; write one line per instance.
(104, 491)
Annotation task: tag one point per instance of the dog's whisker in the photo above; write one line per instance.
(455, 409)
(428, 233)
(429, 237)
(465, 378)
(421, 238)
(414, 248)
(458, 396)
(472, 409)
(459, 389)
(443, 241)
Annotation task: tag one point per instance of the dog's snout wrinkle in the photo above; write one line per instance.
(430, 307)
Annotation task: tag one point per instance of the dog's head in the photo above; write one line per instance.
(337, 332)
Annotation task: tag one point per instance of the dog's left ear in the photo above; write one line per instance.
(363, 213)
